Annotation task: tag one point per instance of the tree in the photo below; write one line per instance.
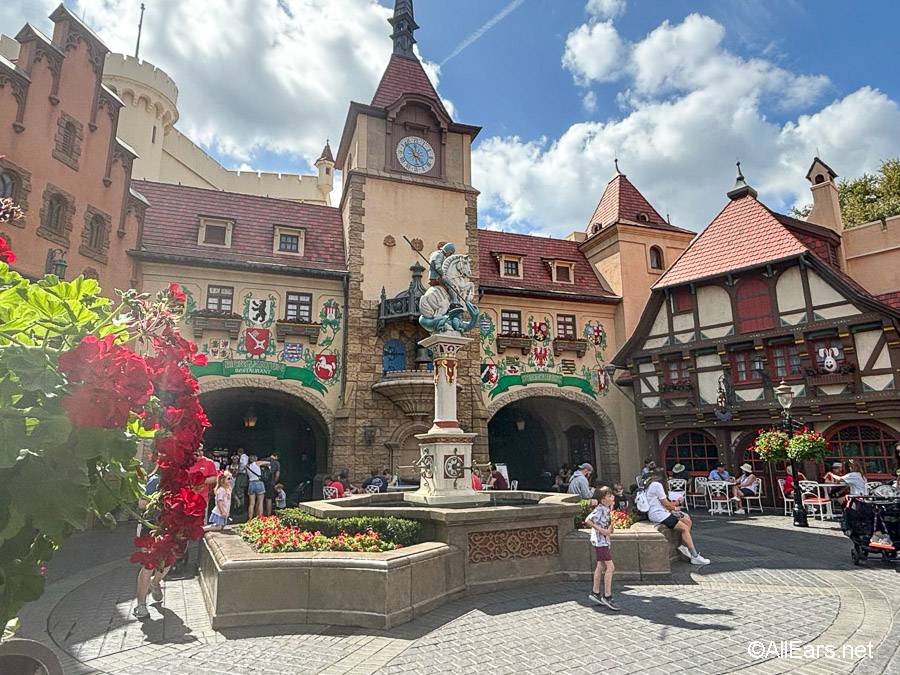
(867, 198)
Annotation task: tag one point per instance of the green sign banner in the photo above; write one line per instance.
(542, 377)
(281, 371)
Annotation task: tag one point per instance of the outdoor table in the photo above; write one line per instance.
(401, 488)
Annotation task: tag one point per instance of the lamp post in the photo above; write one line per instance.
(785, 395)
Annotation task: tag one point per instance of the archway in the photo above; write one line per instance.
(536, 429)
(264, 419)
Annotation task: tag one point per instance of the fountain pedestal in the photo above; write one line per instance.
(445, 461)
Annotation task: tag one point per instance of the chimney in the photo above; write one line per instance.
(826, 210)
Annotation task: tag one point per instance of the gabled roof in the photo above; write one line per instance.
(623, 203)
(744, 234)
(827, 168)
(405, 76)
(537, 279)
(172, 222)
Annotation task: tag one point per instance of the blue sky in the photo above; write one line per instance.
(677, 89)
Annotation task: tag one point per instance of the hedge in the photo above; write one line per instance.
(398, 530)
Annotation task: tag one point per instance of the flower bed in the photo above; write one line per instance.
(268, 535)
(398, 530)
(621, 520)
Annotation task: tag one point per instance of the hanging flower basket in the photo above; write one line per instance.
(808, 445)
(771, 445)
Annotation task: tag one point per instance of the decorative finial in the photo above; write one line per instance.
(404, 27)
(741, 189)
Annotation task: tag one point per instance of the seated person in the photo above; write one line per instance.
(680, 471)
(476, 479)
(719, 473)
(497, 481)
(380, 479)
(663, 510)
(836, 475)
(329, 481)
(789, 480)
(344, 479)
(745, 486)
(855, 479)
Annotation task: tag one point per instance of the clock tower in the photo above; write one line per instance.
(406, 169)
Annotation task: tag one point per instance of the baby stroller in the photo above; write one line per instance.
(873, 525)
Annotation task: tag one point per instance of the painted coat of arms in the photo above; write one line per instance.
(540, 330)
(259, 311)
(326, 366)
(489, 374)
(293, 352)
(258, 341)
(598, 379)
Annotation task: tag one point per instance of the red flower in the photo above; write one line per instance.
(6, 254)
(176, 295)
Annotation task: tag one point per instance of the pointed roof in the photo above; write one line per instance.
(623, 203)
(404, 76)
(812, 168)
(745, 234)
(404, 28)
(326, 154)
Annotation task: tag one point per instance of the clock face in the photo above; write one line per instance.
(415, 154)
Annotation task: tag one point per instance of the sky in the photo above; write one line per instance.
(677, 89)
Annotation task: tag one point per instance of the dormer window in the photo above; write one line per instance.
(215, 232)
(563, 272)
(643, 217)
(288, 241)
(511, 266)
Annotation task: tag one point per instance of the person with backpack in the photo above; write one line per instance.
(654, 500)
(257, 488)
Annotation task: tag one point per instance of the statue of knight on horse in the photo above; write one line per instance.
(451, 293)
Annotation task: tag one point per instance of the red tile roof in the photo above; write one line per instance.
(621, 203)
(172, 222)
(890, 299)
(404, 76)
(536, 254)
(745, 234)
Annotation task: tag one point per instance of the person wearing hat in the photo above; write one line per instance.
(745, 486)
(680, 471)
(581, 481)
(720, 472)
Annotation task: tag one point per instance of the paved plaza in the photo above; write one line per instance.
(769, 584)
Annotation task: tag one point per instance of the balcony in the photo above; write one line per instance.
(287, 328)
(410, 390)
(514, 341)
(829, 378)
(578, 346)
(216, 320)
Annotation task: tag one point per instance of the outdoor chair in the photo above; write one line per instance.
(788, 501)
(719, 492)
(871, 485)
(679, 485)
(816, 504)
(513, 485)
(698, 494)
(757, 498)
(372, 489)
(329, 492)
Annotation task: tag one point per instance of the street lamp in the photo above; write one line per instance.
(785, 395)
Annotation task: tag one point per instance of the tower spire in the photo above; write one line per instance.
(404, 26)
(741, 188)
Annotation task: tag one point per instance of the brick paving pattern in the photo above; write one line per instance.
(768, 582)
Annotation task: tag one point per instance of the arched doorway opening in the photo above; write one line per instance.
(263, 421)
(872, 443)
(535, 430)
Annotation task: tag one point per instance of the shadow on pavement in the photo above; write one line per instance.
(669, 611)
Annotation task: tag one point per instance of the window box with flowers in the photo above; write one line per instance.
(513, 340)
(578, 346)
(676, 389)
(816, 378)
(295, 328)
(216, 319)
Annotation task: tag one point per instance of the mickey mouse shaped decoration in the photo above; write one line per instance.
(829, 356)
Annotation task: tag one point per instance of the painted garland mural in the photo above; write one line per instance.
(256, 350)
(542, 360)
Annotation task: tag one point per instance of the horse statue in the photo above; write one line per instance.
(450, 296)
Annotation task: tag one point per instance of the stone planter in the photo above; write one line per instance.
(504, 343)
(561, 345)
(28, 657)
(285, 329)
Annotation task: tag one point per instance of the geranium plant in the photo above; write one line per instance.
(76, 400)
(807, 444)
(268, 535)
(771, 444)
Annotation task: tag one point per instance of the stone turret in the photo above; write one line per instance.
(325, 165)
(826, 210)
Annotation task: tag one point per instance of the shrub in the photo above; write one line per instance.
(398, 530)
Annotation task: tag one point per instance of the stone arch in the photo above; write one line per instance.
(403, 437)
(607, 442)
(210, 384)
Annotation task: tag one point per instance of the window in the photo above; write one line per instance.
(510, 268)
(220, 297)
(823, 348)
(563, 272)
(7, 185)
(67, 144)
(754, 306)
(153, 136)
(56, 211)
(873, 444)
(643, 217)
(746, 366)
(656, 258)
(289, 242)
(298, 307)
(695, 449)
(215, 232)
(675, 371)
(785, 359)
(510, 322)
(96, 232)
(565, 326)
(682, 301)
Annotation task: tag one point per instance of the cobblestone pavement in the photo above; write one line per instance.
(769, 584)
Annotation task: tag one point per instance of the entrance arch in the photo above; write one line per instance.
(265, 415)
(534, 430)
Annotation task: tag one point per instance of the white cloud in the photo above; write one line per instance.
(589, 101)
(690, 107)
(605, 9)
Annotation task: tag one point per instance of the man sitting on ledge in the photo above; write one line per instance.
(581, 482)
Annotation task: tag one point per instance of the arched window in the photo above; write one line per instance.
(393, 357)
(97, 233)
(8, 185)
(657, 261)
(56, 211)
(754, 306)
(695, 449)
(67, 145)
(871, 443)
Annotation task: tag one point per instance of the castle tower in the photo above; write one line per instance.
(150, 112)
(325, 166)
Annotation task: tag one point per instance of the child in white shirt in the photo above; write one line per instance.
(218, 519)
